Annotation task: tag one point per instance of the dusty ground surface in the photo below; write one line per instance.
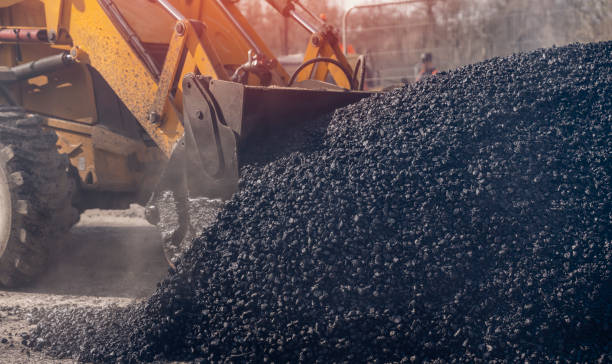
(109, 258)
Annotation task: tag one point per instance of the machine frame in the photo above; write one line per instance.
(109, 81)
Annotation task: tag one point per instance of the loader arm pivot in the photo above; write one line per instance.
(323, 43)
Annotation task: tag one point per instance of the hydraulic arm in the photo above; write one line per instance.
(178, 86)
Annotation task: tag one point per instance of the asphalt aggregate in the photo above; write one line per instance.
(465, 218)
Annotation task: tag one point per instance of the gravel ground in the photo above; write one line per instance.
(465, 218)
(111, 258)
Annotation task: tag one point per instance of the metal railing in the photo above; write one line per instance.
(394, 43)
(348, 11)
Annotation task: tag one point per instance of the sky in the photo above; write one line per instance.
(348, 3)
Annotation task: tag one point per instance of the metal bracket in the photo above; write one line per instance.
(211, 147)
(257, 64)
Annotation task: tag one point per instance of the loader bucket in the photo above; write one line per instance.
(221, 118)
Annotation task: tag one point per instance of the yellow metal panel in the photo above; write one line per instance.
(104, 139)
(312, 51)
(105, 48)
(322, 67)
(108, 52)
(205, 61)
(171, 66)
(103, 159)
(66, 125)
(231, 48)
(327, 50)
(53, 12)
(79, 149)
(336, 73)
(65, 93)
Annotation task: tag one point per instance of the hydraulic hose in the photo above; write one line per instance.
(346, 72)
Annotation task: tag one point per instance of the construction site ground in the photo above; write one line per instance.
(108, 258)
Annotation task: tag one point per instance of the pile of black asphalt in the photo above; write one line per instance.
(464, 218)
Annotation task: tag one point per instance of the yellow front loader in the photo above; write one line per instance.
(109, 102)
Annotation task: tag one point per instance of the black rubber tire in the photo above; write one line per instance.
(36, 195)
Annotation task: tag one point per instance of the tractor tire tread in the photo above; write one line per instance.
(41, 194)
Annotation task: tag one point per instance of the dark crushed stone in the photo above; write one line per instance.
(464, 218)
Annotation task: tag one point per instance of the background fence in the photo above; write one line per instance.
(459, 32)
